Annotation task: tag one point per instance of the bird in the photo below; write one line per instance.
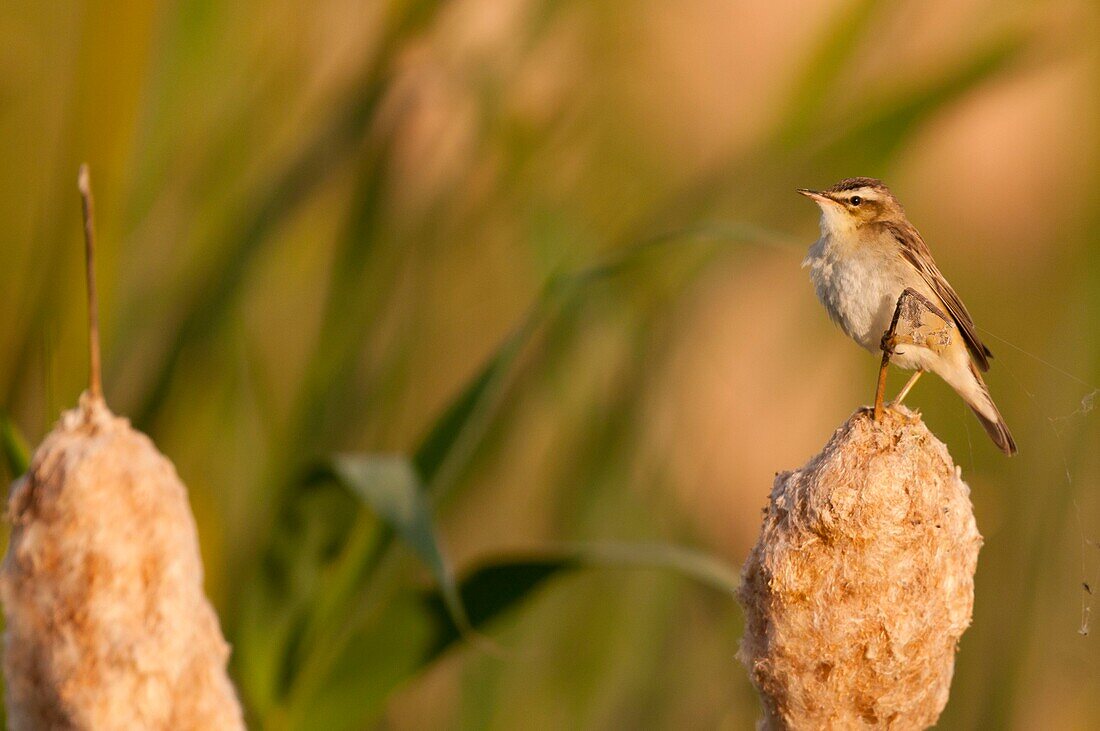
(871, 267)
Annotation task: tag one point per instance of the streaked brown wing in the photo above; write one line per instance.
(916, 252)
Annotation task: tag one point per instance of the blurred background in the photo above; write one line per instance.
(544, 256)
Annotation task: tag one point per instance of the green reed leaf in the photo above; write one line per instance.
(14, 447)
(503, 583)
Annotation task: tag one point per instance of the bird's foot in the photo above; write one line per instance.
(896, 407)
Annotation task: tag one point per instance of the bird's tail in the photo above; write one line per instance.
(976, 395)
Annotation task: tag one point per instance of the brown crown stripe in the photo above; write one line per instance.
(854, 183)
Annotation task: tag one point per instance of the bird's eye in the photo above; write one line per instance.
(855, 200)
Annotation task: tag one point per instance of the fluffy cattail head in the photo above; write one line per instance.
(107, 623)
(862, 581)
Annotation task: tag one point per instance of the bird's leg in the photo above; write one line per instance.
(889, 341)
(881, 389)
(905, 389)
(917, 321)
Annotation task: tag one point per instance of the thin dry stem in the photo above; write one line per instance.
(95, 368)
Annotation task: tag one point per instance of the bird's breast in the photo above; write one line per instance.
(859, 288)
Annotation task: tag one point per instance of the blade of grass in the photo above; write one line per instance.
(369, 570)
(391, 488)
(863, 140)
(450, 443)
(14, 447)
(1009, 671)
(876, 136)
(825, 63)
(499, 587)
(318, 159)
(503, 583)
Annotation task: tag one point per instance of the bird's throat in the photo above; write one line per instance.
(835, 221)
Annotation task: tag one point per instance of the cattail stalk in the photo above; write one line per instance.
(87, 203)
(862, 581)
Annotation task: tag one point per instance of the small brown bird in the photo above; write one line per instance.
(869, 263)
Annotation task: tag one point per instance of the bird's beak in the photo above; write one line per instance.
(814, 195)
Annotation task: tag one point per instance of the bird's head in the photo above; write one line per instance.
(854, 202)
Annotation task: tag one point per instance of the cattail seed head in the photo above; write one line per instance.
(107, 623)
(862, 582)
